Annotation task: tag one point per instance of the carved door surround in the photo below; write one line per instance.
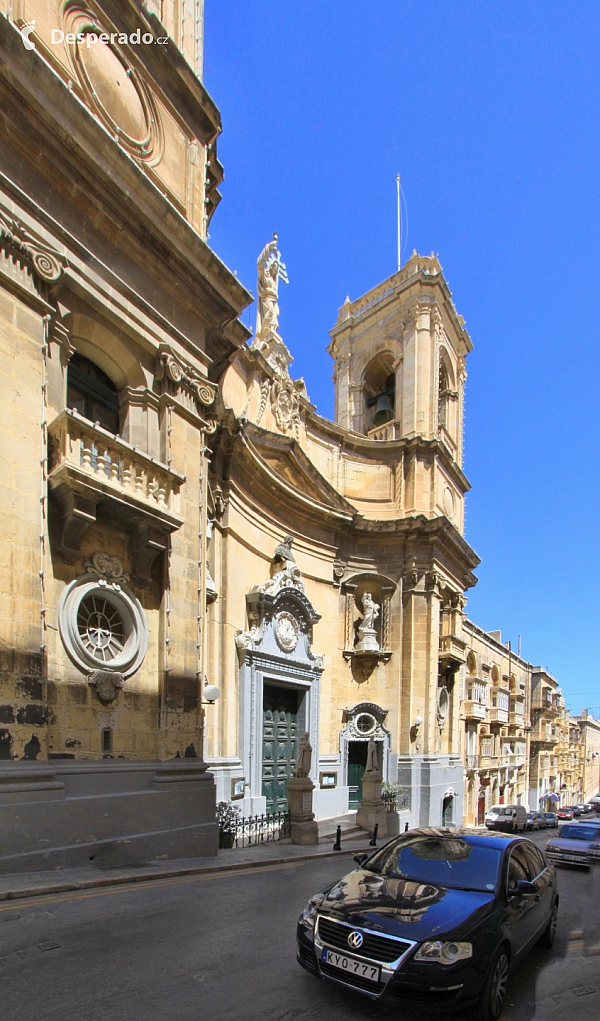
(275, 650)
(365, 722)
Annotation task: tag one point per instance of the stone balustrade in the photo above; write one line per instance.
(389, 431)
(89, 466)
(118, 465)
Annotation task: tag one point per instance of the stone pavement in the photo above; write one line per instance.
(35, 884)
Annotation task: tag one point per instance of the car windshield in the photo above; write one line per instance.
(575, 832)
(449, 861)
(499, 810)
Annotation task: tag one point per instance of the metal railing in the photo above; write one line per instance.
(252, 830)
(396, 801)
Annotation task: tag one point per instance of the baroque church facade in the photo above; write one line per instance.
(360, 635)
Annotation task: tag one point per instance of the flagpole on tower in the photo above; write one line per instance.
(399, 222)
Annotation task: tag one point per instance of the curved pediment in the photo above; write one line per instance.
(280, 461)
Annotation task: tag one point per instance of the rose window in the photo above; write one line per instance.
(102, 624)
(101, 628)
(365, 723)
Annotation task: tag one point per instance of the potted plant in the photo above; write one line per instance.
(228, 818)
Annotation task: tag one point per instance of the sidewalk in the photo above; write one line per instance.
(37, 884)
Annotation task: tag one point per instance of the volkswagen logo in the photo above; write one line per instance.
(355, 940)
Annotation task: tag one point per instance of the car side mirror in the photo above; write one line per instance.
(523, 889)
(361, 857)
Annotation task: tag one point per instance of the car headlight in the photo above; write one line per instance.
(444, 953)
(309, 915)
(551, 847)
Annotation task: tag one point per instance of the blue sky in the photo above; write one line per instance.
(491, 114)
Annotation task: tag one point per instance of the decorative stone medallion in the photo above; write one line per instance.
(287, 631)
(449, 505)
(113, 89)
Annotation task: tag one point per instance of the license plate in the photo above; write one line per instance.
(572, 857)
(350, 965)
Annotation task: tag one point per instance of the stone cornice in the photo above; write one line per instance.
(386, 451)
(168, 66)
(423, 271)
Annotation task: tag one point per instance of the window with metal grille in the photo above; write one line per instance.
(107, 740)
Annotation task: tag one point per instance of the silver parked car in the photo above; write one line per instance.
(576, 843)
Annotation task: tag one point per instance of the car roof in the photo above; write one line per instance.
(477, 839)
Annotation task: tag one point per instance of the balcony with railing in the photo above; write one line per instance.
(474, 710)
(89, 466)
(545, 703)
(472, 762)
(544, 734)
(452, 650)
(498, 715)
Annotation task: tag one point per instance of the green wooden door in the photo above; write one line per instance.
(357, 760)
(280, 734)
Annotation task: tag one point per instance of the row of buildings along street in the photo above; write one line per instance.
(197, 567)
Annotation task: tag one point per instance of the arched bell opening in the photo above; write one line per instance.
(379, 388)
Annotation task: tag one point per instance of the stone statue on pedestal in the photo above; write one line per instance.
(367, 635)
(372, 758)
(304, 757)
(304, 829)
(372, 809)
(270, 271)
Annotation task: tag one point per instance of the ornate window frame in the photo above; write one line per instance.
(105, 580)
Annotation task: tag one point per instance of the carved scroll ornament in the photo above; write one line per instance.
(46, 263)
(181, 376)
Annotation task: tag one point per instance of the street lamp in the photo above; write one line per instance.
(211, 692)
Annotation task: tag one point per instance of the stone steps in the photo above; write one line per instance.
(350, 830)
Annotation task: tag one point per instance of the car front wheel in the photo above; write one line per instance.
(494, 989)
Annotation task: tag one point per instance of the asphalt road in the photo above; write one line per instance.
(221, 948)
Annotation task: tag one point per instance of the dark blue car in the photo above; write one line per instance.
(435, 917)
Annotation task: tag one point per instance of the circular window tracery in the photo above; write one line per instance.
(103, 629)
(365, 723)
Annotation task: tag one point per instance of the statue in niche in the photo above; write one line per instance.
(304, 757)
(270, 271)
(367, 635)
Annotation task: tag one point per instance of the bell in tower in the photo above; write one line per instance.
(382, 405)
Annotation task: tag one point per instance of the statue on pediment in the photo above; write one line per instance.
(270, 271)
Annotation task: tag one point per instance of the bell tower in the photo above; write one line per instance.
(400, 352)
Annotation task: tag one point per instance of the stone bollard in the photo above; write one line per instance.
(371, 810)
(302, 818)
